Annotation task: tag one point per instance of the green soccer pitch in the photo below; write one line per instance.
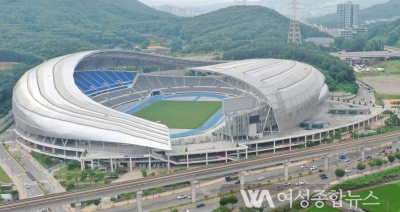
(180, 114)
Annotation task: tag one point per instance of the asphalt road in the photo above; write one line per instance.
(212, 190)
(18, 172)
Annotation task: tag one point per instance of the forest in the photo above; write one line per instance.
(30, 34)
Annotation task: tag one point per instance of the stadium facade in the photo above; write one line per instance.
(70, 106)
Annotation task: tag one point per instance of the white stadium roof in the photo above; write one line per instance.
(47, 102)
(293, 89)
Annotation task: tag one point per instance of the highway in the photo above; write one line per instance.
(272, 175)
(367, 54)
(54, 200)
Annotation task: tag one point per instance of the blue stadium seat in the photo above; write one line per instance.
(96, 81)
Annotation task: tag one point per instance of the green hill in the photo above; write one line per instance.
(385, 10)
(56, 27)
(389, 32)
(139, 7)
(236, 26)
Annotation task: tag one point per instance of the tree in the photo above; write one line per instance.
(391, 159)
(113, 199)
(46, 192)
(371, 164)
(233, 200)
(397, 156)
(146, 193)
(159, 190)
(98, 176)
(175, 210)
(339, 173)
(378, 162)
(144, 172)
(385, 161)
(338, 134)
(70, 185)
(97, 202)
(361, 167)
(173, 188)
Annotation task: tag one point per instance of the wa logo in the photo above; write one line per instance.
(256, 198)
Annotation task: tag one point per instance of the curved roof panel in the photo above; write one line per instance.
(47, 102)
(291, 88)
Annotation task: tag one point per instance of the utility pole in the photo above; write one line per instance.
(294, 35)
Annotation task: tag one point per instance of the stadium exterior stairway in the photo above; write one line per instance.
(162, 157)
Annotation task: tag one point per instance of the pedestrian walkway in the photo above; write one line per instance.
(15, 179)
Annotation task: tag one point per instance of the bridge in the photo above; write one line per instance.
(54, 201)
(381, 54)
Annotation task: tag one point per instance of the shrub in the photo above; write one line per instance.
(386, 176)
(120, 170)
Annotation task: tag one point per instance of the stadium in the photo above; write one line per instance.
(88, 106)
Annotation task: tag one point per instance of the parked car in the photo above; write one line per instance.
(27, 186)
(314, 168)
(304, 166)
(358, 159)
(299, 183)
(237, 181)
(279, 188)
(368, 157)
(261, 178)
(347, 170)
(200, 205)
(189, 197)
(347, 160)
(286, 184)
(182, 196)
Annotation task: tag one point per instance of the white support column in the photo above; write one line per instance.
(76, 154)
(112, 165)
(130, 163)
(89, 145)
(169, 163)
(65, 152)
(256, 149)
(290, 144)
(242, 180)
(139, 201)
(326, 158)
(149, 163)
(206, 158)
(286, 174)
(363, 153)
(246, 154)
(53, 150)
(82, 165)
(187, 161)
(226, 156)
(274, 147)
(193, 184)
(76, 143)
(78, 207)
(92, 164)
